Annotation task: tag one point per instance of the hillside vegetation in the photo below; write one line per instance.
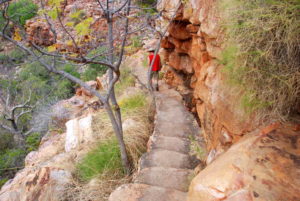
(262, 54)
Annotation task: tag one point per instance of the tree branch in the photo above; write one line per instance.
(11, 130)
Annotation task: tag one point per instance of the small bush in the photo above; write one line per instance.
(71, 69)
(105, 158)
(148, 6)
(3, 181)
(262, 54)
(17, 56)
(6, 141)
(136, 41)
(21, 10)
(95, 70)
(4, 59)
(10, 161)
(12, 58)
(33, 141)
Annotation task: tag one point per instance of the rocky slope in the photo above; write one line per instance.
(48, 170)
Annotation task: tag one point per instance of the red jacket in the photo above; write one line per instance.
(156, 64)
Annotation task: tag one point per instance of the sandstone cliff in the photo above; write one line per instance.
(243, 149)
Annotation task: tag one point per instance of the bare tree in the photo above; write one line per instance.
(11, 114)
(113, 62)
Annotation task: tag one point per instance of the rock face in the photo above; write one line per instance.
(79, 131)
(36, 184)
(39, 33)
(245, 162)
(192, 48)
(262, 166)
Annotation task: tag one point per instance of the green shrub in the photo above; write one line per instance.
(95, 70)
(33, 141)
(17, 56)
(6, 141)
(136, 41)
(22, 10)
(70, 69)
(4, 59)
(11, 160)
(45, 84)
(262, 54)
(3, 181)
(105, 158)
(148, 6)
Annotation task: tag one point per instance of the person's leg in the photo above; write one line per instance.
(156, 77)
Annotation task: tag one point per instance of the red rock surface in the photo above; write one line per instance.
(39, 33)
(244, 163)
(263, 166)
(193, 46)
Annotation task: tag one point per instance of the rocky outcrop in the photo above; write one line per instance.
(39, 33)
(192, 50)
(48, 170)
(244, 162)
(30, 184)
(261, 166)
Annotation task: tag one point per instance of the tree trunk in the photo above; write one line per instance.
(124, 156)
(115, 114)
(19, 140)
(113, 99)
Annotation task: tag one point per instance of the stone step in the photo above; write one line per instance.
(143, 192)
(172, 130)
(180, 145)
(173, 178)
(165, 158)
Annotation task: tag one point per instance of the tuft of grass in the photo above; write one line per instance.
(197, 149)
(145, 61)
(133, 102)
(33, 141)
(106, 158)
(262, 54)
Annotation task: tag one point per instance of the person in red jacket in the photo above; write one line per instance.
(155, 67)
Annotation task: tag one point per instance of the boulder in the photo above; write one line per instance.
(79, 131)
(32, 184)
(51, 145)
(261, 166)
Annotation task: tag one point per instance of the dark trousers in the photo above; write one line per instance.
(154, 79)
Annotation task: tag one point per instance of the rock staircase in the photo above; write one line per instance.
(167, 168)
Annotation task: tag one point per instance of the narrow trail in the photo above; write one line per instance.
(166, 169)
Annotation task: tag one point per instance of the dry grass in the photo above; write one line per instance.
(262, 56)
(136, 136)
(98, 189)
